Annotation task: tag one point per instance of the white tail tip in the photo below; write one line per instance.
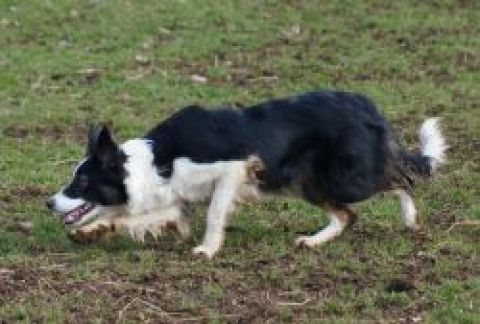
(433, 143)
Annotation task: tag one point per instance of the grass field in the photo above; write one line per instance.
(64, 64)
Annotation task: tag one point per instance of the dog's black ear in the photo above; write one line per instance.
(101, 145)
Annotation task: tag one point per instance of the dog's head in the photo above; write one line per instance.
(97, 181)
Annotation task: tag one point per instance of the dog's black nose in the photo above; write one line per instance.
(50, 203)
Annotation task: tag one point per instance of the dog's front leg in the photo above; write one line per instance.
(220, 206)
(97, 230)
(227, 177)
(155, 222)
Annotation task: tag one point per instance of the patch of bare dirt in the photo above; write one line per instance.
(27, 192)
(74, 131)
(244, 294)
(453, 6)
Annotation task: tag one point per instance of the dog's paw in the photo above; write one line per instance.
(204, 251)
(78, 236)
(88, 236)
(305, 241)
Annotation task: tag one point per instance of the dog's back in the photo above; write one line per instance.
(332, 146)
(336, 146)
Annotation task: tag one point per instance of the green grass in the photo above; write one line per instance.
(415, 59)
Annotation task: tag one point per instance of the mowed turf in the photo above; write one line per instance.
(65, 64)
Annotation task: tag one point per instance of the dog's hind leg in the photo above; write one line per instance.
(340, 218)
(407, 210)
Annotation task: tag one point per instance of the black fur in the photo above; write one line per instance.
(335, 146)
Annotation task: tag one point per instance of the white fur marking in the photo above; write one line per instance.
(433, 143)
(143, 183)
(220, 181)
(221, 204)
(63, 204)
(153, 222)
(408, 210)
(334, 228)
(137, 226)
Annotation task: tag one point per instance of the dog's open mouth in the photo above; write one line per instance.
(76, 215)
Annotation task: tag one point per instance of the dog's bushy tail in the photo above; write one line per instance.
(420, 165)
(433, 144)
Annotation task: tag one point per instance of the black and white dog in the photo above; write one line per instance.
(330, 148)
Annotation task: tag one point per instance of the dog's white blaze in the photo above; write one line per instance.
(407, 208)
(432, 141)
(64, 204)
(333, 229)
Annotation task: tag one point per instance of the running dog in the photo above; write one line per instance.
(330, 148)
